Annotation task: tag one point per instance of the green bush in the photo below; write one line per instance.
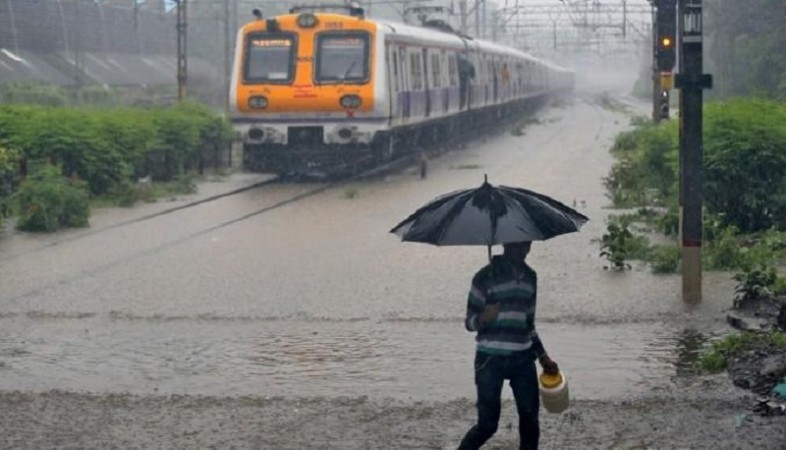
(109, 147)
(646, 171)
(744, 165)
(32, 93)
(723, 251)
(619, 245)
(665, 258)
(716, 358)
(49, 201)
(8, 160)
(755, 283)
(127, 194)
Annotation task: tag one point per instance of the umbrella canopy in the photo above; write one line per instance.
(489, 215)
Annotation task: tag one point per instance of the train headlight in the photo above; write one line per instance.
(351, 101)
(257, 102)
(256, 134)
(307, 20)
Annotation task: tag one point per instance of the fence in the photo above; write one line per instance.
(74, 43)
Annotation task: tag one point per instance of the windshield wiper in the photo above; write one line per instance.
(349, 69)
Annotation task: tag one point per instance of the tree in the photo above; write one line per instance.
(747, 47)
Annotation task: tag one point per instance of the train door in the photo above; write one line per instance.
(426, 82)
(494, 80)
(405, 84)
(393, 82)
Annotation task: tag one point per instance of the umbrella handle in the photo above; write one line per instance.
(489, 247)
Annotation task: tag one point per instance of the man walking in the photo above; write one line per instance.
(501, 309)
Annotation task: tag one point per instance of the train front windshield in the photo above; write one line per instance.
(269, 58)
(343, 57)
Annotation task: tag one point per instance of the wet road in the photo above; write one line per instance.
(315, 298)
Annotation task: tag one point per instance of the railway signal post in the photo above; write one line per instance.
(691, 81)
(665, 37)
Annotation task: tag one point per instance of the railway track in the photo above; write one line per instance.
(417, 156)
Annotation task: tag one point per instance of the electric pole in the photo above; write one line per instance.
(483, 22)
(477, 19)
(182, 20)
(463, 15)
(691, 81)
(227, 54)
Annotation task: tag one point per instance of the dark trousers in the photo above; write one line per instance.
(490, 373)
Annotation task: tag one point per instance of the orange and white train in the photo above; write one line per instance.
(318, 91)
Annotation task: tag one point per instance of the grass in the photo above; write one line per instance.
(128, 194)
(351, 192)
(721, 352)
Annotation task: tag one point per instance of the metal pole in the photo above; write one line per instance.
(494, 25)
(691, 81)
(484, 22)
(624, 19)
(181, 49)
(463, 14)
(655, 77)
(227, 54)
(477, 18)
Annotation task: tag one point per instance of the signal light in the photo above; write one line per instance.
(663, 108)
(666, 30)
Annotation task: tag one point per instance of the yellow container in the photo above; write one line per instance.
(554, 394)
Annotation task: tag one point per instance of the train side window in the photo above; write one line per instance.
(416, 68)
(435, 71)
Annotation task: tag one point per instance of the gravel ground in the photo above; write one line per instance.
(72, 420)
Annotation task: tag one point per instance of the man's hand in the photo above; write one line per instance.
(549, 366)
(489, 314)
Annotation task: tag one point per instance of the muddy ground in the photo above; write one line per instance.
(71, 420)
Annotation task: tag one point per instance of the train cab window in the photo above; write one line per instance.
(342, 57)
(269, 58)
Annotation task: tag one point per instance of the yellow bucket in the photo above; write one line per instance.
(554, 394)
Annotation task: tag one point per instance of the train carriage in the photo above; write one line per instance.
(328, 92)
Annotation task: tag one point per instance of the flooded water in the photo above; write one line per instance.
(425, 360)
(316, 298)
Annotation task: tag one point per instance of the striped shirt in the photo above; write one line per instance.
(513, 285)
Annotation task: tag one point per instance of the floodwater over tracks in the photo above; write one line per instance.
(315, 298)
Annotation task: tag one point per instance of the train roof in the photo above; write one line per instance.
(456, 40)
(442, 38)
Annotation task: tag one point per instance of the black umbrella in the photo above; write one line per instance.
(489, 215)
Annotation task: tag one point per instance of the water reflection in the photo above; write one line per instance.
(689, 344)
